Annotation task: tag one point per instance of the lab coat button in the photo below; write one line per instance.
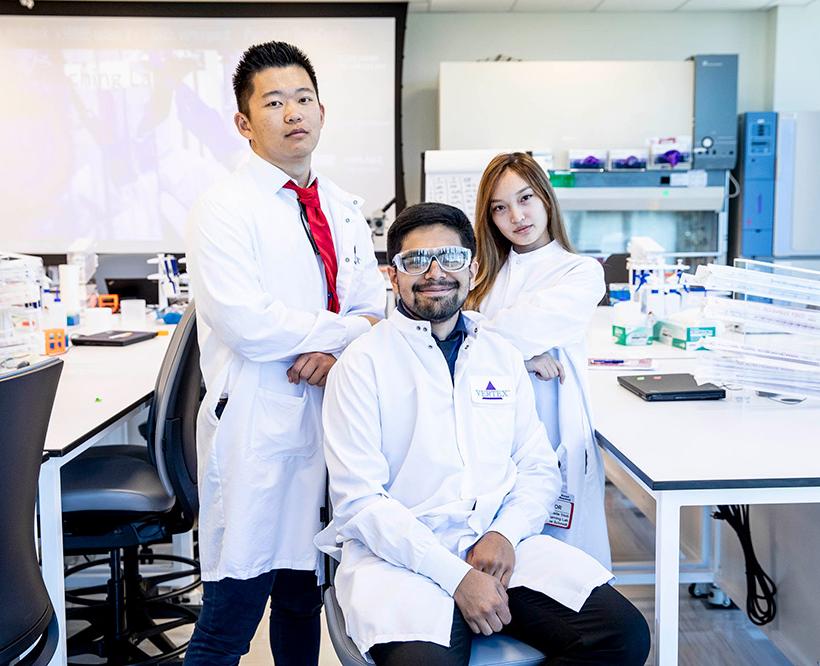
(347, 219)
(347, 260)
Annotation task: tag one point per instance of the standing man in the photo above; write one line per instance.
(284, 275)
(441, 476)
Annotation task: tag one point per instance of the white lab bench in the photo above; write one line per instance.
(741, 450)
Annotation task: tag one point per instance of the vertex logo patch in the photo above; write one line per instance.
(490, 390)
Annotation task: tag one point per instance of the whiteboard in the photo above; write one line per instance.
(115, 125)
(560, 105)
(453, 176)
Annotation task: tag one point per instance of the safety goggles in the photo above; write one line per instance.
(451, 258)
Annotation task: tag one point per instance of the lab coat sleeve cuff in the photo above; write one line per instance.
(512, 527)
(354, 327)
(444, 568)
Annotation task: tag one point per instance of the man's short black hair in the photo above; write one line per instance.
(425, 215)
(263, 56)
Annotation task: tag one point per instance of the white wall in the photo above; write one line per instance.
(433, 38)
(796, 85)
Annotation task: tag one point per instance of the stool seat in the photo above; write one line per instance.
(113, 482)
(129, 450)
(499, 649)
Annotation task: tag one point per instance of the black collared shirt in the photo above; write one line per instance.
(451, 345)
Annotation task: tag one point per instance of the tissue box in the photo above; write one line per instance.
(631, 335)
(682, 336)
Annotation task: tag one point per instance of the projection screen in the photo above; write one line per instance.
(113, 125)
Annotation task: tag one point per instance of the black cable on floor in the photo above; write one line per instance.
(761, 606)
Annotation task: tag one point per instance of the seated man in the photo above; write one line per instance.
(441, 475)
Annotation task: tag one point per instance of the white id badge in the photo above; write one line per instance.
(561, 514)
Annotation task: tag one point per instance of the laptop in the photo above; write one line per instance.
(678, 386)
(113, 338)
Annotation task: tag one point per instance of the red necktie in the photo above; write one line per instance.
(320, 229)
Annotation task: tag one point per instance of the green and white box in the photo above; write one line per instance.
(683, 336)
(631, 335)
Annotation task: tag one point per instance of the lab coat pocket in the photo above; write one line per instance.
(283, 426)
(494, 432)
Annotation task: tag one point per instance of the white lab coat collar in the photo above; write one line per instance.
(271, 177)
(267, 175)
(421, 329)
(551, 250)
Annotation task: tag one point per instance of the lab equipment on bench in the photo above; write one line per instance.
(22, 279)
(172, 284)
(776, 349)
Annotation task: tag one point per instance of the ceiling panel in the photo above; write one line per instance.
(724, 5)
(555, 5)
(471, 5)
(639, 5)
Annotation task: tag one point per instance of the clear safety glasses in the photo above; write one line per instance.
(452, 259)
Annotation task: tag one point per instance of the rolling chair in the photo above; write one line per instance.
(119, 499)
(496, 650)
(27, 619)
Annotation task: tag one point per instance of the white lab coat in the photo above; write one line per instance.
(261, 302)
(421, 468)
(543, 301)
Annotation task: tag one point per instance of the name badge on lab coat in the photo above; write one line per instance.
(562, 510)
(497, 390)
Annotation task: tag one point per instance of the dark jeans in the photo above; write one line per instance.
(607, 631)
(232, 609)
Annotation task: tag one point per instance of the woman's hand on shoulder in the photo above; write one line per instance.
(545, 367)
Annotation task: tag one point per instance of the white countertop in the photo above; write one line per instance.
(98, 385)
(741, 441)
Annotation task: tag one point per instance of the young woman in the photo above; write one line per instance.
(541, 296)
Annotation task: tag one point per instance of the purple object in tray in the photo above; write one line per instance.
(671, 157)
(630, 162)
(589, 162)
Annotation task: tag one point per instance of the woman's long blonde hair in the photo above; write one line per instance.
(492, 249)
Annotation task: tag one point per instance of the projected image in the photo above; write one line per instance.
(114, 144)
(133, 137)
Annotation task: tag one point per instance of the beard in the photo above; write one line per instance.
(436, 309)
